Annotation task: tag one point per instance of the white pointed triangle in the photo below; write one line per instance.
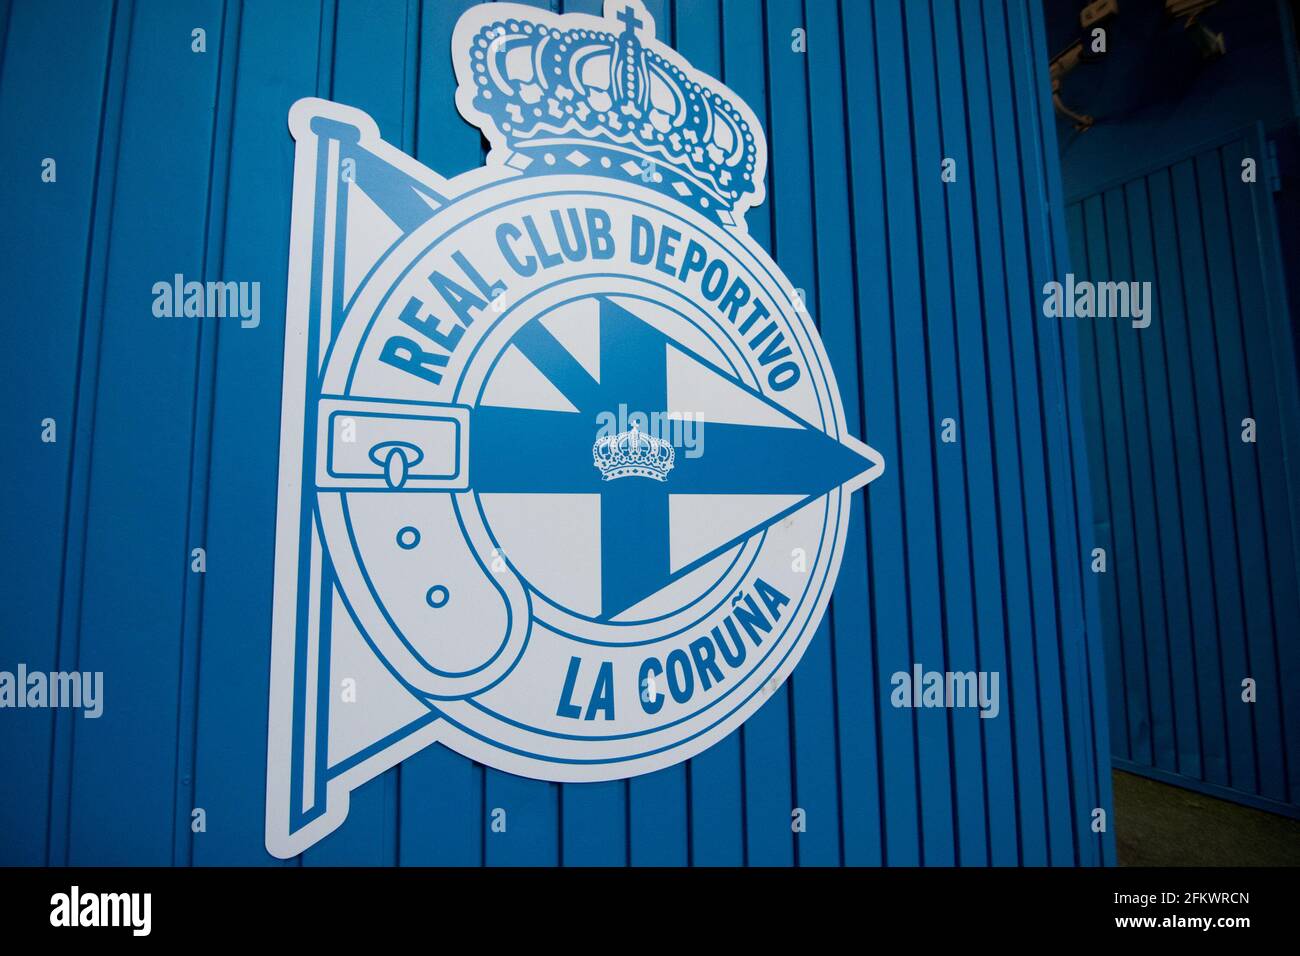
(370, 234)
(700, 524)
(695, 389)
(577, 328)
(429, 201)
(353, 729)
(518, 383)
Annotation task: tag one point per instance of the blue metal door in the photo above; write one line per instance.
(967, 555)
(1193, 441)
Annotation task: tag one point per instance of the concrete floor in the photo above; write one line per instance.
(1160, 825)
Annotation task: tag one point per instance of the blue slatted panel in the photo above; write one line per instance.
(245, 430)
(1176, 711)
(134, 586)
(766, 771)
(945, 402)
(851, 648)
(812, 695)
(1084, 699)
(1274, 397)
(1189, 492)
(957, 128)
(1201, 525)
(916, 419)
(1028, 536)
(963, 556)
(884, 524)
(1044, 442)
(39, 378)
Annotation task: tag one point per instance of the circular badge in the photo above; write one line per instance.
(638, 475)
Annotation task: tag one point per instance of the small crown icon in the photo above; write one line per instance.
(633, 454)
(577, 94)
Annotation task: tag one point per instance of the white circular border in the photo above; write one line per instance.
(467, 729)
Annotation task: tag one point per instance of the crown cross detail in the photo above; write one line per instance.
(631, 22)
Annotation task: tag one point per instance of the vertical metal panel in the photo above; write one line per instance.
(133, 587)
(39, 370)
(851, 649)
(954, 550)
(1200, 524)
(896, 753)
(1082, 652)
(963, 556)
(268, 76)
(957, 43)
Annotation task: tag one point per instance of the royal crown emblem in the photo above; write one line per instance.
(633, 454)
(616, 104)
(445, 550)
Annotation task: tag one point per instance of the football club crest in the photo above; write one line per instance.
(564, 475)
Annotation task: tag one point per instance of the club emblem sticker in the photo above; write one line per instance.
(564, 474)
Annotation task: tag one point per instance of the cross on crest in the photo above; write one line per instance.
(631, 22)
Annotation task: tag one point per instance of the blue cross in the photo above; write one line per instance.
(631, 22)
(542, 451)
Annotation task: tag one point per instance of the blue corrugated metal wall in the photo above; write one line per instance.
(964, 556)
(1201, 527)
